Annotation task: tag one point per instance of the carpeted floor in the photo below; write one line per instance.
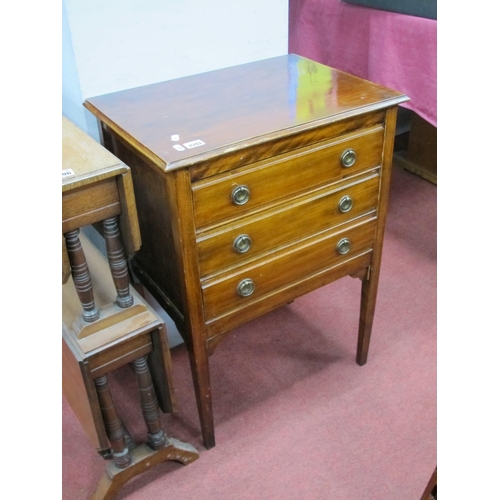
(295, 416)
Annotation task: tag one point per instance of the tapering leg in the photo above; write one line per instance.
(117, 262)
(113, 424)
(81, 275)
(370, 281)
(368, 300)
(198, 358)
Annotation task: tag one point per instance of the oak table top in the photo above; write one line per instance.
(84, 160)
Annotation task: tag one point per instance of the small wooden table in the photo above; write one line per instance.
(106, 324)
(254, 184)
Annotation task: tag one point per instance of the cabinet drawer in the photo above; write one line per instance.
(238, 242)
(247, 188)
(234, 290)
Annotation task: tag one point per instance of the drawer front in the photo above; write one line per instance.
(238, 242)
(232, 290)
(90, 204)
(232, 194)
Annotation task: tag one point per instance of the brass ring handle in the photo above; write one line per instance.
(242, 243)
(345, 204)
(343, 246)
(348, 158)
(245, 287)
(240, 195)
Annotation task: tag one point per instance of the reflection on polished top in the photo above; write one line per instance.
(177, 122)
(312, 88)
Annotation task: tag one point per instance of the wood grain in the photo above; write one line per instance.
(237, 108)
(298, 172)
(298, 218)
(281, 269)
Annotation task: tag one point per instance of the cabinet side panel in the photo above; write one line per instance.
(155, 222)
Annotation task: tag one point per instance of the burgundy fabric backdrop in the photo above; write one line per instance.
(394, 50)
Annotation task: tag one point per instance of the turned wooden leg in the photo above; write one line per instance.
(128, 463)
(81, 275)
(140, 459)
(368, 300)
(156, 436)
(112, 424)
(117, 262)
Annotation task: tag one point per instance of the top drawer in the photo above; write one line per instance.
(247, 188)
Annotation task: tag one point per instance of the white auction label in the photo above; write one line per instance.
(67, 172)
(194, 144)
(178, 147)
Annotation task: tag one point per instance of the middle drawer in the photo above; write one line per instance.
(239, 242)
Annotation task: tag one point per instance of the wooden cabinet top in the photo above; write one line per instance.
(183, 121)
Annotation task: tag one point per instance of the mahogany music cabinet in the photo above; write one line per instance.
(254, 185)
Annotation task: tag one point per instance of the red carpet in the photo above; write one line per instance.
(295, 416)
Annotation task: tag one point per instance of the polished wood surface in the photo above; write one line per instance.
(300, 261)
(212, 196)
(317, 211)
(235, 107)
(277, 144)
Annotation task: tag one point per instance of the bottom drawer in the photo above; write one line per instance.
(235, 290)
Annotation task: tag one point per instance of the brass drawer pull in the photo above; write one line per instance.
(242, 243)
(348, 158)
(343, 246)
(240, 195)
(245, 287)
(345, 204)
